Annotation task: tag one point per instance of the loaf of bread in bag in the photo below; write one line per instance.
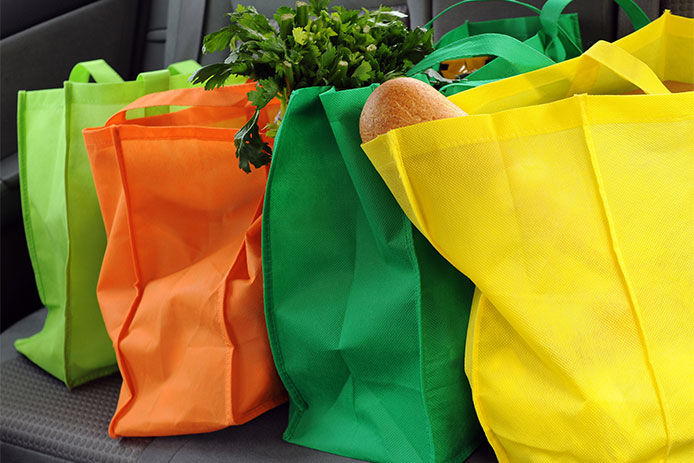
(401, 102)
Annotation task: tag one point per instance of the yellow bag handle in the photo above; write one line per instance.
(624, 65)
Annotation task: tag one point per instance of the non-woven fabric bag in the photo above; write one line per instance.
(571, 206)
(521, 28)
(366, 320)
(64, 230)
(549, 37)
(528, 29)
(181, 286)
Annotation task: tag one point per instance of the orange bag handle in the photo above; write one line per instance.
(233, 95)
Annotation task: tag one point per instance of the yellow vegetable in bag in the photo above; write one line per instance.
(574, 216)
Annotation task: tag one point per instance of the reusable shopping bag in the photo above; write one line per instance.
(527, 29)
(181, 283)
(64, 230)
(366, 320)
(521, 28)
(574, 216)
(549, 37)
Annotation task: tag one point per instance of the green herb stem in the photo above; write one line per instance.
(301, 14)
(286, 24)
(340, 72)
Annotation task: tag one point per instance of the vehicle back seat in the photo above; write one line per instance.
(40, 420)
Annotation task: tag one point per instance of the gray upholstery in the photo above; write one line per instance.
(102, 29)
(17, 16)
(36, 58)
(681, 7)
(38, 413)
(653, 9)
(40, 420)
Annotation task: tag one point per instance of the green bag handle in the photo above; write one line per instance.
(524, 57)
(556, 26)
(549, 17)
(517, 2)
(97, 69)
(457, 87)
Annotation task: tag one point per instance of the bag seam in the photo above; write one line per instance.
(226, 332)
(414, 262)
(24, 194)
(67, 312)
(221, 319)
(474, 386)
(415, 207)
(516, 135)
(122, 363)
(277, 352)
(631, 296)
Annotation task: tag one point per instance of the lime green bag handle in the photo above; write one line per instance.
(98, 69)
(159, 81)
(523, 56)
(184, 67)
(552, 10)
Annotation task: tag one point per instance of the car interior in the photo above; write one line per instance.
(40, 419)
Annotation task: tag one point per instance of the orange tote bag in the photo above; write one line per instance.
(181, 288)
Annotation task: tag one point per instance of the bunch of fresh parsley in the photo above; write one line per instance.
(308, 46)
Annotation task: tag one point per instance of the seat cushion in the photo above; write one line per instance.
(42, 421)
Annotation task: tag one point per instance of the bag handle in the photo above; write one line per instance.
(233, 95)
(534, 9)
(552, 10)
(155, 81)
(626, 66)
(160, 80)
(98, 69)
(456, 87)
(517, 2)
(524, 57)
(186, 67)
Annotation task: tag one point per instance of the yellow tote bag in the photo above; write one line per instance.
(574, 216)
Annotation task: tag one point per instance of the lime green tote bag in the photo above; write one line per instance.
(62, 220)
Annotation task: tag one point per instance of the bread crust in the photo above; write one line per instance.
(401, 102)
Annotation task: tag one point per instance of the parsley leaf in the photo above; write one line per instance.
(308, 45)
(300, 35)
(363, 71)
(250, 148)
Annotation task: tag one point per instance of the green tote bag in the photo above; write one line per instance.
(552, 35)
(366, 320)
(528, 29)
(62, 220)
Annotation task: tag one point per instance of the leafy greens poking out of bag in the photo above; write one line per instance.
(310, 46)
